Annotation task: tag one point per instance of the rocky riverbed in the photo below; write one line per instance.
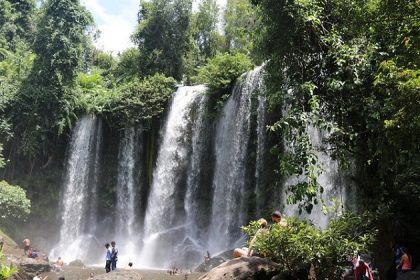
(76, 273)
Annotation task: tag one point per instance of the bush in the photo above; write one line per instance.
(139, 101)
(133, 102)
(93, 95)
(221, 72)
(13, 202)
(300, 245)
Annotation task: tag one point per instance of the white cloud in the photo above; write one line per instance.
(116, 29)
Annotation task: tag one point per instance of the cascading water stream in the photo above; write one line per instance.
(79, 191)
(163, 211)
(127, 228)
(203, 186)
(261, 153)
(231, 146)
(334, 186)
(192, 204)
(93, 210)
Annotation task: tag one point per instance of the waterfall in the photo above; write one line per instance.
(128, 188)
(331, 179)
(193, 244)
(93, 206)
(231, 147)
(165, 215)
(261, 154)
(79, 191)
(210, 174)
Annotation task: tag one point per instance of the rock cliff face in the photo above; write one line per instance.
(243, 269)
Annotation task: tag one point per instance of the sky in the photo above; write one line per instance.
(116, 19)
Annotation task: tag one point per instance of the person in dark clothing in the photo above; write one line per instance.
(114, 257)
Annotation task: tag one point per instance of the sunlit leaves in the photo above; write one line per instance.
(13, 202)
(221, 72)
(299, 245)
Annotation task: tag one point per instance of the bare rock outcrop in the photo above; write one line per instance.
(215, 261)
(244, 268)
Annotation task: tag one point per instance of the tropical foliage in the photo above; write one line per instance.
(13, 202)
(348, 68)
(221, 72)
(300, 246)
(6, 271)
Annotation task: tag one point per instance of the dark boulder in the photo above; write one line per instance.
(31, 266)
(244, 268)
(27, 267)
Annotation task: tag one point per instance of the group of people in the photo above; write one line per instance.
(111, 257)
(249, 251)
(361, 264)
(364, 264)
(28, 250)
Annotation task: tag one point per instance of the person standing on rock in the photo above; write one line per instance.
(108, 258)
(114, 258)
(26, 245)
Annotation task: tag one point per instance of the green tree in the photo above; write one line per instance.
(204, 29)
(24, 14)
(205, 40)
(352, 67)
(240, 25)
(45, 104)
(6, 25)
(221, 72)
(129, 65)
(13, 203)
(162, 36)
(16, 22)
(139, 101)
(61, 42)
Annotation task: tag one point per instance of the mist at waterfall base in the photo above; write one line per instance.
(208, 181)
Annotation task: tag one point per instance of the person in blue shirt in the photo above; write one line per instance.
(114, 256)
(108, 258)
